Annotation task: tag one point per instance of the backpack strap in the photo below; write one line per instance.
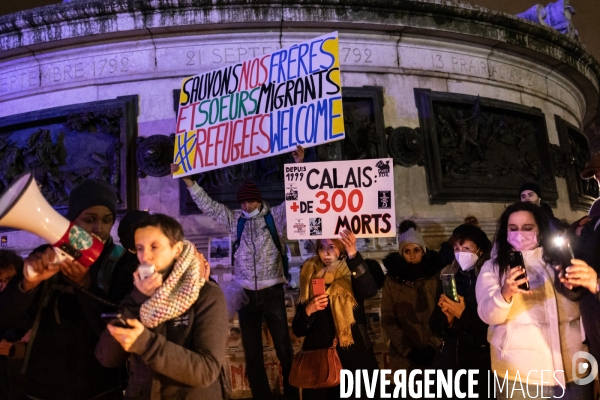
(240, 228)
(106, 271)
(273, 231)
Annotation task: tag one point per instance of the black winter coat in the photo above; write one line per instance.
(62, 365)
(465, 343)
(588, 250)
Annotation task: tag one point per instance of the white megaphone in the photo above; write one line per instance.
(22, 206)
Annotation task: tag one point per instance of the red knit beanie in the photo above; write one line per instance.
(248, 192)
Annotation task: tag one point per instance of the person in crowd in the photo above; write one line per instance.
(457, 323)
(376, 272)
(583, 274)
(66, 300)
(177, 321)
(260, 266)
(530, 330)
(339, 313)
(408, 301)
(126, 230)
(592, 168)
(13, 340)
(532, 193)
(447, 248)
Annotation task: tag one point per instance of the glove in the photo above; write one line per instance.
(422, 357)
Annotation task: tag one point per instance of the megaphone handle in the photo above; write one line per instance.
(60, 257)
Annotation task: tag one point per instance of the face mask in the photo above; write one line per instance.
(252, 214)
(523, 240)
(466, 259)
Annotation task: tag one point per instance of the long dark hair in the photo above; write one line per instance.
(552, 255)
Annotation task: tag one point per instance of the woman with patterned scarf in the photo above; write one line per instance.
(339, 313)
(176, 342)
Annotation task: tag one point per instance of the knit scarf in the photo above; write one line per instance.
(177, 293)
(341, 296)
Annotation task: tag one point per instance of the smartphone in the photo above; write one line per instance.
(318, 286)
(145, 270)
(516, 260)
(449, 286)
(115, 319)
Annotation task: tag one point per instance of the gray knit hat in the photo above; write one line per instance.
(409, 237)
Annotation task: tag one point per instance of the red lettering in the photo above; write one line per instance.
(181, 118)
(198, 144)
(209, 145)
(226, 152)
(323, 201)
(235, 144)
(265, 134)
(358, 194)
(245, 135)
(255, 73)
(264, 68)
(217, 141)
(254, 133)
(334, 196)
(244, 76)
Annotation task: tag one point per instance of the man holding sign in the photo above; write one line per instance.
(260, 267)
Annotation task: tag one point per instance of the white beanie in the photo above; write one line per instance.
(411, 237)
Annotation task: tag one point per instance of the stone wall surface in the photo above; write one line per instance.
(88, 51)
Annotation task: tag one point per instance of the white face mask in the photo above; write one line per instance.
(466, 259)
(252, 214)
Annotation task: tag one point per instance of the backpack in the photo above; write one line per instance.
(273, 231)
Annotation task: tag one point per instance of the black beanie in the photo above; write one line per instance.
(534, 187)
(91, 192)
(248, 192)
(473, 233)
(126, 228)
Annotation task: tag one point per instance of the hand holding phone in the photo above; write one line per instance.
(115, 319)
(516, 260)
(449, 286)
(318, 286)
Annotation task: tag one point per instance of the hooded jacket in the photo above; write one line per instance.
(407, 303)
(257, 264)
(534, 332)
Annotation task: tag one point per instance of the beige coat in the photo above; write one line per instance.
(535, 332)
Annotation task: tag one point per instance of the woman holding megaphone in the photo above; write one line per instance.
(60, 360)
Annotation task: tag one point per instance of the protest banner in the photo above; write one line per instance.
(325, 198)
(260, 107)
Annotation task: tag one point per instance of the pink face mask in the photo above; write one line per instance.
(523, 240)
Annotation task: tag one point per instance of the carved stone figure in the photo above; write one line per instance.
(556, 15)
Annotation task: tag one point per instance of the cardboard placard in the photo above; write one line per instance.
(325, 198)
(260, 107)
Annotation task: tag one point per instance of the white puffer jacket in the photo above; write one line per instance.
(535, 332)
(257, 253)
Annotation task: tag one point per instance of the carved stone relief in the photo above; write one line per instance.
(65, 145)
(479, 149)
(575, 146)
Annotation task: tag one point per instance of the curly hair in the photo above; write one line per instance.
(552, 255)
(8, 259)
